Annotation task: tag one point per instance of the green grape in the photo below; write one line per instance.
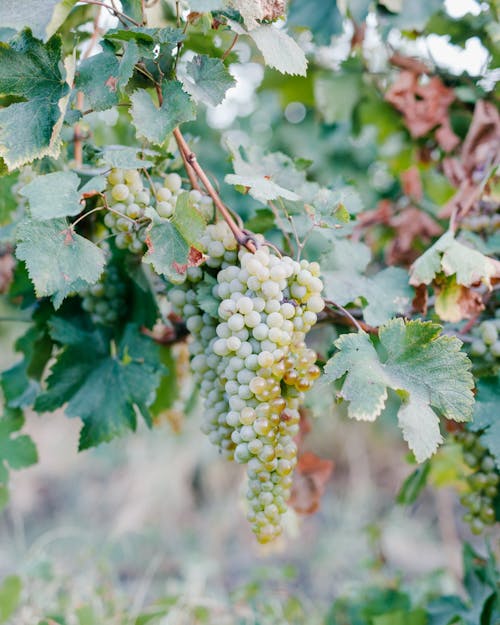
(252, 363)
(106, 300)
(495, 349)
(489, 332)
(478, 348)
(483, 482)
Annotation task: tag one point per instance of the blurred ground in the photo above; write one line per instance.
(160, 514)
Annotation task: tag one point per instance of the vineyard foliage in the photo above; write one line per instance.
(351, 194)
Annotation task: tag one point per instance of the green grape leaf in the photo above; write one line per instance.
(411, 15)
(205, 297)
(207, 79)
(168, 389)
(188, 219)
(326, 91)
(133, 8)
(414, 484)
(99, 386)
(264, 176)
(102, 76)
(168, 251)
(10, 596)
(279, 50)
(58, 260)
(53, 195)
(20, 383)
(31, 70)
(43, 17)
(124, 157)
(8, 203)
(322, 17)
(381, 295)
(428, 371)
(17, 451)
(155, 124)
(486, 415)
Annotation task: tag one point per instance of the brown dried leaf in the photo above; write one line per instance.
(7, 264)
(480, 152)
(412, 184)
(446, 138)
(455, 302)
(421, 299)
(424, 106)
(410, 225)
(410, 63)
(311, 476)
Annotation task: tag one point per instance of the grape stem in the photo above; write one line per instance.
(121, 16)
(242, 237)
(361, 326)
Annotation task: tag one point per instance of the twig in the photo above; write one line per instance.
(189, 171)
(241, 237)
(279, 221)
(121, 16)
(359, 325)
(228, 51)
(77, 135)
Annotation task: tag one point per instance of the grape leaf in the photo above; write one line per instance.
(322, 17)
(188, 219)
(43, 17)
(10, 596)
(279, 50)
(326, 92)
(100, 387)
(486, 415)
(427, 370)
(124, 157)
(386, 293)
(133, 8)
(102, 76)
(266, 176)
(207, 79)
(449, 257)
(31, 70)
(20, 383)
(17, 451)
(45, 203)
(58, 260)
(168, 251)
(155, 124)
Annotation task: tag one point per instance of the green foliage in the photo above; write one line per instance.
(10, 595)
(40, 194)
(155, 124)
(486, 415)
(428, 371)
(100, 383)
(58, 260)
(168, 250)
(17, 451)
(208, 79)
(31, 70)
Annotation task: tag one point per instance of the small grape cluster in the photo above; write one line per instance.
(251, 360)
(486, 222)
(130, 201)
(486, 342)
(106, 300)
(483, 482)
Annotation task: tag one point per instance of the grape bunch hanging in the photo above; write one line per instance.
(249, 314)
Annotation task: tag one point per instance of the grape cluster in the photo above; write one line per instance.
(486, 222)
(252, 362)
(486, 342)
(130, 201)
(483, 482)
(106, 300)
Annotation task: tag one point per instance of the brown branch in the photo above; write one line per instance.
(228, 51)
(344, 317)
(77, 135)
(241, 237)
(121, 16)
